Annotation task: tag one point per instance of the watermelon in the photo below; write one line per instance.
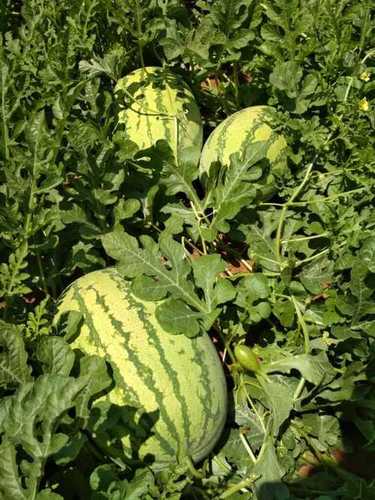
(234, 133)
(174, 384)
(157, 104)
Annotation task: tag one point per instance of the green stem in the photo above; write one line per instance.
(247, 448)
(196, 202)
(4, 117)
(245, 483)
(305, 238)
(302, 323)
(299, 389)
(236, 85)
(313, 257)
(253, 407)
(204, 248)
(305, 331)
(370, 53)
(272, 261)
(193, 471)
(315, 200)
(330, 198)
(284, 210)
(226, 344)
(42, 275)
(138, 17)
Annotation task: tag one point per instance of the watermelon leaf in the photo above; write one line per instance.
(279, 396)
(237, 185)
(105, 481)
(206, 269)
(69, 324)
(253, 295)
(314, 368)
(147, 288)
(28, 421)
(31, 415)
(94, 374)
(270, 470)
(163, 270)
(166, 263)
(55, 355)
(216, 290)
(48, 495)
(176, 317)
(179, 179)
(125, 209)
(14, 369)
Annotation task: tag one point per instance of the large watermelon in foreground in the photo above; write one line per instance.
(238, 131)
(157, 104)
(175, 382)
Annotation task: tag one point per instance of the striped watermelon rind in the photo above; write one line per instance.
(159, 105)
(234, 133)
(180, 379)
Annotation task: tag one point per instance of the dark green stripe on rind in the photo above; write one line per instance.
(205, 398)
(161, 106)
(97, 341)
(145, 374)
(223, 135)
(210, 416)
(190, 418)
(119, 327)
(172, 374)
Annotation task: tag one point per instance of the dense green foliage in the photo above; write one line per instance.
(292, 276)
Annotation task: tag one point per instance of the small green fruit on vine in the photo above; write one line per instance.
(246, 357)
